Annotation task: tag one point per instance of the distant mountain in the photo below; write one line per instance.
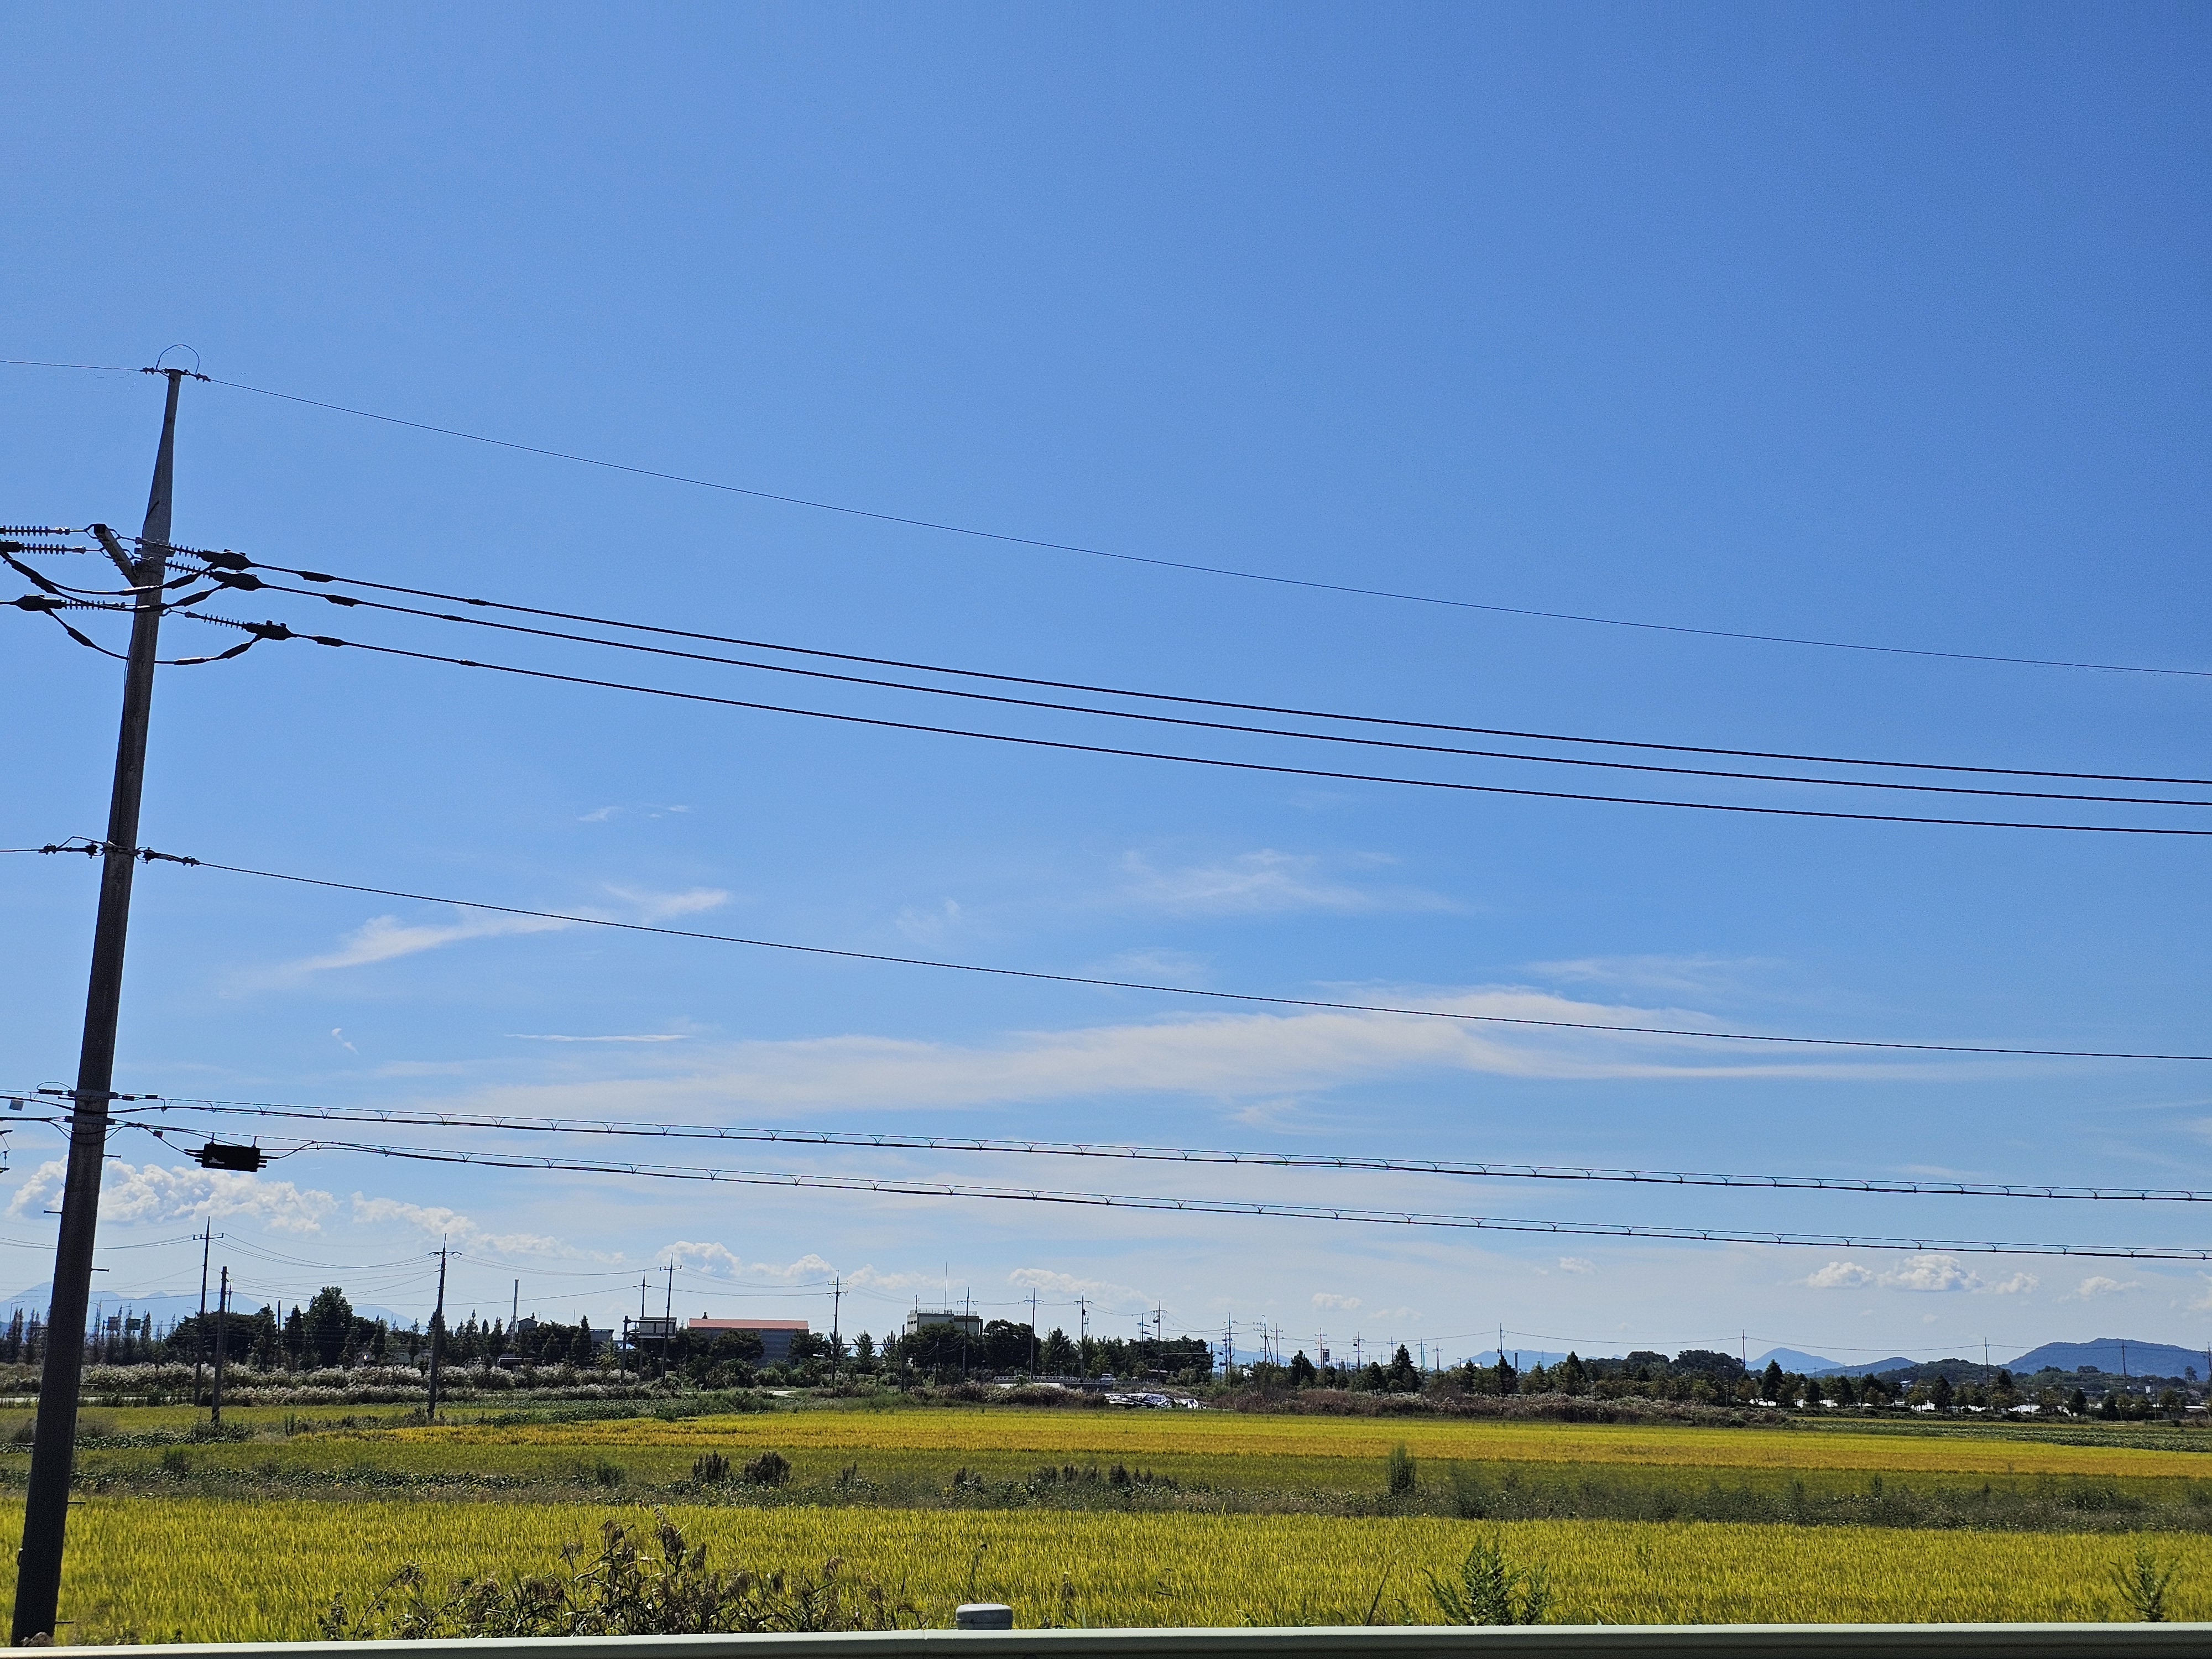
(1811, 1364)
(1805, 1364)
(2117, 1354)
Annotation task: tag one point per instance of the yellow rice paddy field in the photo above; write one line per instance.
(1133, 1435)
(195, 1569)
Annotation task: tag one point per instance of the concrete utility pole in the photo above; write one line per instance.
(221, 1320)
(53, 1452)
(199, 1347)
(437, 1333)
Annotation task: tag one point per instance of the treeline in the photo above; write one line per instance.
(1001, 1349)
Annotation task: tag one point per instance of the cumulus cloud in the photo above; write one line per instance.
(435, 1220)
(1840, 1275)
(1066, 1287)
(1576, 1264)
(1929, 1270)
(2098, 1284)
(151, 1193)
(717, 1261)
(1265, 882)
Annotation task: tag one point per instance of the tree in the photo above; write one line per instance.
(1569, 1377)
(2077, 1404)
(1402, 1378)
(1302, 1370)
(1812, 1391)
(1058, 1359)
(330, 1323)
(1770, 1383)
(1942, 1395)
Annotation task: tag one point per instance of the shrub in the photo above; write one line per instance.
(1398, 1471)
(2143, 1585)
(770, 1468)
(1490, 1592)
(629, 1589)
(710, 1467)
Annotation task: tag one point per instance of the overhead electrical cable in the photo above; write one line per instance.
(1240, 728)
(908, 1187)
(1099, 981)
(1271, 578)
(238, 563)
(278, 631)
(507, 1122)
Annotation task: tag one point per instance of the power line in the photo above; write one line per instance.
(1324, 1003)
(910, 1188)
(279, 631)
(413, 1117)
(240, 563)
(1192, 566)
(1312, 737)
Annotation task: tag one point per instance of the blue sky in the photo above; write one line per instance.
(1882, 325)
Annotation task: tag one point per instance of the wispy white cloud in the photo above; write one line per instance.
(932, 921)
(597, 814)
(387, 938)
(1576, 1264)
(1329, 1301)
(649, 906)
(152, 1192)
(1676, 975)
(1230, 1058)
(1260, 883)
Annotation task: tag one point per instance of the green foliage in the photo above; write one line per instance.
(710, 1467)
(770, 1468)
(1399, 1474)
(642, 1583)
(2143, 1585)
(1492, 1591)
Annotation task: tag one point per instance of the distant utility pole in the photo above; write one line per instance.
(199, 1347)
(221, 1320)
(836, 1338)
(54, 1450)
(514, 1314)
(668, 1320)
(1033, 1335)
(437, 1333)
